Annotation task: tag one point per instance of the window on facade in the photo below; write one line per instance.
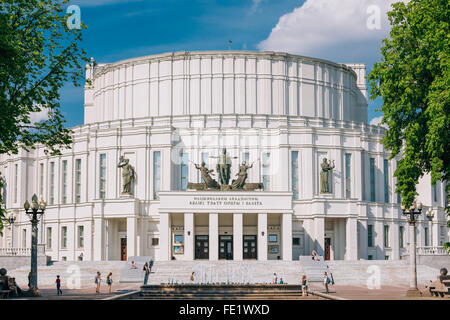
(24, 238)
(426, 235)
(370, 235)
(372, 179)
(295, 177)
(399, 197)
(386, 237)
(52, 183)
(16, 181)
(348, 178)
(80, 236)
(41, 179)
(369, 257)
(184, 170)
(266, 171)
(401, 234)
(246, 157)
(64, 181)
(78, 180)
(435, 192)
(49, 237)
(102, 185)
(295, 241)
(386, 257)
(63, 237)
(156, 173)
(386, 180)
(155, 241)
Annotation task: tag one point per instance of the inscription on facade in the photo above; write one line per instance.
(225, 201)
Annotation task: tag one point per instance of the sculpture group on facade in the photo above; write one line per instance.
(223, 168)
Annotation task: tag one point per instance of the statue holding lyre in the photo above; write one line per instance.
(128, 174)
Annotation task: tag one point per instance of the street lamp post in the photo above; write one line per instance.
(11, 221)
(36, 209)
(412, 215)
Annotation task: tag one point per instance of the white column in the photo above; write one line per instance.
(395, 240)
(213, 236)
(98, 239)
(351, 239)
(164, 236)
(189, 228)
(262, 236)
(363, 239)
(237, 236)
(131, 237)
(319, 236)
(435, 230)
(286, 236)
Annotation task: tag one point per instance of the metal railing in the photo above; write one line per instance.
(431, 251)
(12, 252)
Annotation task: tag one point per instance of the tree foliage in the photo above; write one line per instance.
(39, 53)
(413, 79)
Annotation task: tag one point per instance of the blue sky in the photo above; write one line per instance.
(125, 29)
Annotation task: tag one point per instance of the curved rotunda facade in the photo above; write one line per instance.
(281, 113)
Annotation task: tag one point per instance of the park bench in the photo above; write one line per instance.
(441, 286)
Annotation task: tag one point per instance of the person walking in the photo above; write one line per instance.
(275, 278)
(304, 286)
(98, 280)
(109, 281)
(58, 285)
(146, 273)
(150, 265)
(326, 282)
(192, 277)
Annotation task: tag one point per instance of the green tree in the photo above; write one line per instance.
(39, 53)
(413, 79)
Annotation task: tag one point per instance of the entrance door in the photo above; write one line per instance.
(327, 248)
(226, 247)
(250, 251)
(202, 247)
(123, 249)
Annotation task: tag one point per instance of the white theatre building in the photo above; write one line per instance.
(282, 113)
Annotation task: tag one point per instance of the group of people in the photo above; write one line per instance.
(147, 269)
(98, 281)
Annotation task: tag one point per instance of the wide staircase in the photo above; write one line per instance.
(82, 273)
(72, 273)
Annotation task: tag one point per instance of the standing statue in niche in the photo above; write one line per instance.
(128, 174)
(324, 175)
(224, 167)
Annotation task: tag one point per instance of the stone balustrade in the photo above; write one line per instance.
(432, 251)
(12, 252)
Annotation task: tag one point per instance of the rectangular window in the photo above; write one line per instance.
(156, 173)
(266, 171)
(435, 192)
(78, 180)
(399, 196)
(52, 183)
(427, 243)
(80, 236)
(246, 157)
(24, 238)
(102, 185)
(184, 170)
(155, 241)
(386, 180)
(205, 159)
(41, 179)
(64, 181)
(369, 257)
(49, 237)
(372, 179)
(370, 235)
(348, 178)
(63, 237)
(295, 180)
(386, 237)
(401, 234)
(16, 181)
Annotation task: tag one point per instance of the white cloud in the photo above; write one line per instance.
(377, 121)
(339, 30)
(39, 116)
